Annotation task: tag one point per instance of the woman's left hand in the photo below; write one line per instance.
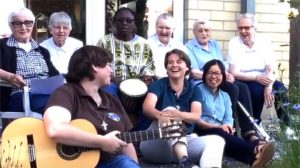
(227, 128)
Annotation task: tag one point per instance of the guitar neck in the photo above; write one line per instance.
(138, 136)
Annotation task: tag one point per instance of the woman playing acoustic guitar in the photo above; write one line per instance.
(90, 69)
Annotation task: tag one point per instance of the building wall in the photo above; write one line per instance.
(271, 17)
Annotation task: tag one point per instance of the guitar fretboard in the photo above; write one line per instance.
(140, 135)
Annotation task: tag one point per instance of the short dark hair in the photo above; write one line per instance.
(124, 9)
(209, 64)
(80, 64)
(182, 55)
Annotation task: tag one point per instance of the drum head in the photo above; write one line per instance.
(133, 87)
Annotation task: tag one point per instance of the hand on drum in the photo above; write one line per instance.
(168, 115)
(148, 79)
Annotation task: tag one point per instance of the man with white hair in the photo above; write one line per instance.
(162, 42)
(251, 60)
(202, 49)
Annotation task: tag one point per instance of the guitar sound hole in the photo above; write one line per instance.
(68, 152)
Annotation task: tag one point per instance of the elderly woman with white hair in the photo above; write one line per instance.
(202, 49)
(61, 46)
(22, 60)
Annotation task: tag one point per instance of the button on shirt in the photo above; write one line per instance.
(216, 109)
(167, 96)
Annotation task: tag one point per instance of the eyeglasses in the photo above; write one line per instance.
(18, 24)
(247, 28)
(217, 74)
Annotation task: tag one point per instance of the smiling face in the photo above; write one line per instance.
(176, 67)
(214, 77)
(202, 33)
(21, 27)
(164, 29)
(246, 30)
(60, 33)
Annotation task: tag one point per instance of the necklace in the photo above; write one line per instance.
(104, 125)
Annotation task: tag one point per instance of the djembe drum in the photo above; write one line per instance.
(132, 94)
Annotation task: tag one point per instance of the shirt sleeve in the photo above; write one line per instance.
(148, 68)
(192, 56)
(197, 95)
(63, 98)
(156, 88)
(231, 53)
(228, 119)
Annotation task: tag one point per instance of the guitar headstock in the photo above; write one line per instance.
(176, 129)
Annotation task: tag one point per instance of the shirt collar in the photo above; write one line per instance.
(197, 45)
(105, 104)
(210, 90)
(185, 85)
(12, 42)
(159, 43)
(57, 48)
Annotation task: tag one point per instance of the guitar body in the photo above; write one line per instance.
(25, 144)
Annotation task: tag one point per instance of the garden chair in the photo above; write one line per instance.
(38, 86)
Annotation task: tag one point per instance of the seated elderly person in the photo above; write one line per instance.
(60, 45)
(21, 60)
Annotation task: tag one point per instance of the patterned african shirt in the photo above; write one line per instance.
(131, 59)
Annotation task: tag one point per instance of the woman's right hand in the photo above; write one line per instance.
(16, 80)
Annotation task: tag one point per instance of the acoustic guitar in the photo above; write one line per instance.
(25, 144)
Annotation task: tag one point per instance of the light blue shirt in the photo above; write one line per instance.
(216, 109)
(199, 56)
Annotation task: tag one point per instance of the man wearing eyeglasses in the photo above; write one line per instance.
(162, 42)
(202, 49)
(251, 60)
(21, 60)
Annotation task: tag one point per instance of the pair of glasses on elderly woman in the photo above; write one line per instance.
(19, 24)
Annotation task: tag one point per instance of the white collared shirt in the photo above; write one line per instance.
(251, 60)
(60, 56)
(159, 51)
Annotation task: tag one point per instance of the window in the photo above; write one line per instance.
(42, 9)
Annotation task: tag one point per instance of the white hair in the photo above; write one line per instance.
(202, 22)
(21, 12)
(247, 16)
